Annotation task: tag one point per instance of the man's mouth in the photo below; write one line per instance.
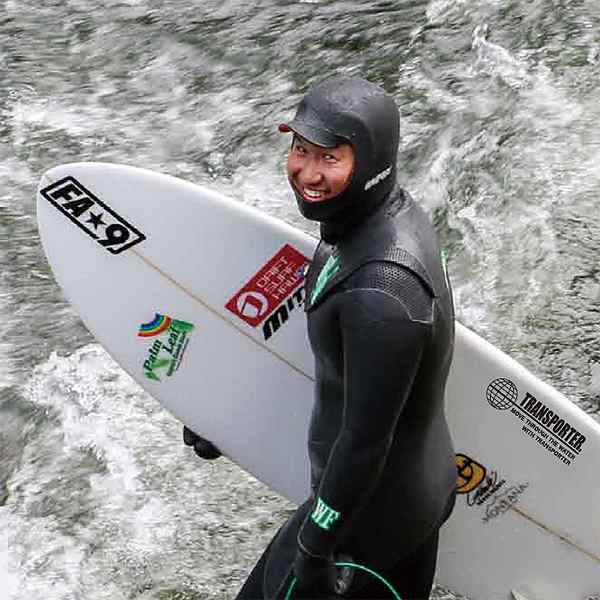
(313, 195)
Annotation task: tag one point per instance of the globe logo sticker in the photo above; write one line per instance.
(502, 393)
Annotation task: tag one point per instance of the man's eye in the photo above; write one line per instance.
(330, 157)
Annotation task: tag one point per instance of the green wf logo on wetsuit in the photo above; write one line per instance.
(330, 268)
(323, 515)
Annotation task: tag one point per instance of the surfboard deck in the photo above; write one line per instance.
(199, 298)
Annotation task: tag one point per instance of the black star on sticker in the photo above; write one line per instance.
(96, 220)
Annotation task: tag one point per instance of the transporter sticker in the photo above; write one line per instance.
(273, 292)
(549, 429)
(92, 215)
(484, 489)
(170, 338)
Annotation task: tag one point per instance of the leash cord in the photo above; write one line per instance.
(353, 566)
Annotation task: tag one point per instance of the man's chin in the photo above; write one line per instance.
(315, 200)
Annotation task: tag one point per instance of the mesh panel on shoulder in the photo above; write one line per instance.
(398, 282)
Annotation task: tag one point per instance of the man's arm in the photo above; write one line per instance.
(382, 345)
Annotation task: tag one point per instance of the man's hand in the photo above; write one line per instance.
(315, 575)
(203, 448)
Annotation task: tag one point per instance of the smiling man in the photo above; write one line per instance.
(381, 327)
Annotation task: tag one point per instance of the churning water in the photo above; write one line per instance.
(500, 142)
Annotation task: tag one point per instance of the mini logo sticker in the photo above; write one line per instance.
(378, 178)
(485, 489)
(159, 324)
(252, 306)
(165, 353)
(546, 427)
(303, 271)
(92, 215)
(470, 474)
(502, 393)
(273, 292)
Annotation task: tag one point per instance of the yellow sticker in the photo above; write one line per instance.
(470, 473)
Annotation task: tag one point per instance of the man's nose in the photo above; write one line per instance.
(311, 172)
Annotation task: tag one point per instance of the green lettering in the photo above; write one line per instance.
(324, 516)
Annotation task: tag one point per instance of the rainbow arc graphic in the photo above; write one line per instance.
(159, 324)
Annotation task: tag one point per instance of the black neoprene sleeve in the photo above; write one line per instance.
(382, 348)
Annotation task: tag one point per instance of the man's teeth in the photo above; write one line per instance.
(313, 194)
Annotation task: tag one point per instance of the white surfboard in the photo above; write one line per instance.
(199, 298)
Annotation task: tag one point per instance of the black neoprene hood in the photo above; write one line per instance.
(353, 110)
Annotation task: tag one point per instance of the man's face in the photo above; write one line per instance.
(319, 173)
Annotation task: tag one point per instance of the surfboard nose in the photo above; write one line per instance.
(51, 175)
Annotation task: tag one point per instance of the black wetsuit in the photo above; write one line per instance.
(381, 328)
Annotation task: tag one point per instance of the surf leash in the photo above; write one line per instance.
(387, 584)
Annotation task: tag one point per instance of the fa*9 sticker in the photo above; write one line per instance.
(92, 215)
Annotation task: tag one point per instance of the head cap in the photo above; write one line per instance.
(358, 112)
(308, 125)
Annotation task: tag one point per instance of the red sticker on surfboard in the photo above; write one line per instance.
(269, 287)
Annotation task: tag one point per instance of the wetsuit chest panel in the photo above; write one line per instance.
(325, 339)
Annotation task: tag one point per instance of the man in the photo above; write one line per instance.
(381, 326)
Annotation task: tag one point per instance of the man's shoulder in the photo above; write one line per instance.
(397, 282)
